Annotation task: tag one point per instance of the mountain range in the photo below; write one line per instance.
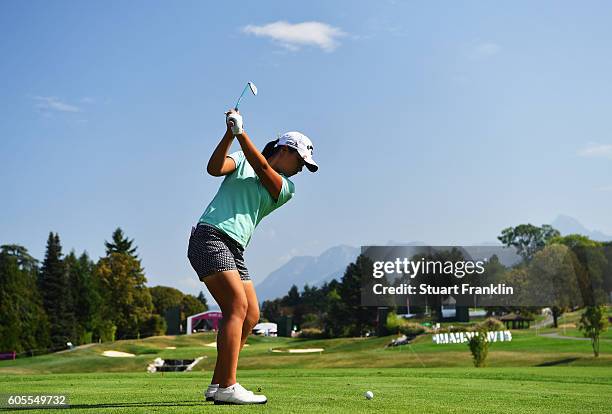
(311, 270)
(316, 270)
(569, 225)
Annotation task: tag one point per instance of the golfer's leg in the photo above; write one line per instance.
(252, 316)
(216, 372)
(227, 290)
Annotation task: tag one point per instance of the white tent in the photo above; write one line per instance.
(265, 328)
(213, 316)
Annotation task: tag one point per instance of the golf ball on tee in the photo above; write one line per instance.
(369, 395)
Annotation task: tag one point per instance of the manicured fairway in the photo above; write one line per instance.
(405, 390)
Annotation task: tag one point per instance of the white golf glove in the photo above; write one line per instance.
(234, 121)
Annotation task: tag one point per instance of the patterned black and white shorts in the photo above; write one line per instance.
(211, 250)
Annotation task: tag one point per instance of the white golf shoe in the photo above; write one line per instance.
(237, 394)
(210, 392)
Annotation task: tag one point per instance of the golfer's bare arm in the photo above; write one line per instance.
(219, 163)
(270, 179)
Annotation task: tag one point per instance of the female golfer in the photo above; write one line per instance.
(255, 184)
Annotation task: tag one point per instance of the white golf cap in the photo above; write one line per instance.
(302, 144)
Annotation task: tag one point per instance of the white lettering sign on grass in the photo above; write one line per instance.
(463, 337)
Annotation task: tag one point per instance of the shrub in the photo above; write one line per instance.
(411, 329)
(458, 328)
(593, 321)
(399, 325)
(310, 320)
(311, 333)
(107, 331)
(454, 328)
(479, 347)
(490, 324)
(154, 326)
(86, 338)
(394, 322)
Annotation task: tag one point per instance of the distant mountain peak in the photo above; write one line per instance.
(332, 263)
(569, 225)
(311, 270)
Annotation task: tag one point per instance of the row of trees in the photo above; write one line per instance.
(573, 271)
(567, 272)
(333, 310)
(74, 299)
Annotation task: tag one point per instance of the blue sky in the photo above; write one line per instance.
(439, 122)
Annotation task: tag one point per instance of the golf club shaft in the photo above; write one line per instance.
(241, 95)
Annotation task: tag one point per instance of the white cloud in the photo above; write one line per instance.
(293, 36)
(605, 188)
(51, 103)
(486, 49)
(596, 150)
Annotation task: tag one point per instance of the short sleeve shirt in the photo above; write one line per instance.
(242, 201)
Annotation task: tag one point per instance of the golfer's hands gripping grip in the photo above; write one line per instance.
(234, 121)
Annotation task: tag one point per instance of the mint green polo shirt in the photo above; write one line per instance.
(242, 201)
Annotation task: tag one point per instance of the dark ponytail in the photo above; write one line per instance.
(269, 149)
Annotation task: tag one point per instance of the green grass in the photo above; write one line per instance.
(531, 374)
(574, 317)
(576, 333)
(401, 390)
(526, 349)
(568, 326)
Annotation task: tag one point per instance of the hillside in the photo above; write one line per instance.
(526, 349)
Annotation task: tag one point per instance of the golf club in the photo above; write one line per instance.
(253, 89)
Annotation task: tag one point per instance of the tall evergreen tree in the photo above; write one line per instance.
(292, 298)
(202, 299)
(55, 291)
(85, 298)
(23, 323)
(121, 281)
(271, 310)
(120, 244)
(357, 318)
(333, 320)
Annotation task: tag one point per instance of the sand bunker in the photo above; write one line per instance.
(214, 345)
(117, 354)
(299, 351)
(170, 347)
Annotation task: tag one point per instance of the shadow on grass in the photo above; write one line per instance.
(194, 403)
(557, 362)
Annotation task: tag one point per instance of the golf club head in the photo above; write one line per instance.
(253, 88)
